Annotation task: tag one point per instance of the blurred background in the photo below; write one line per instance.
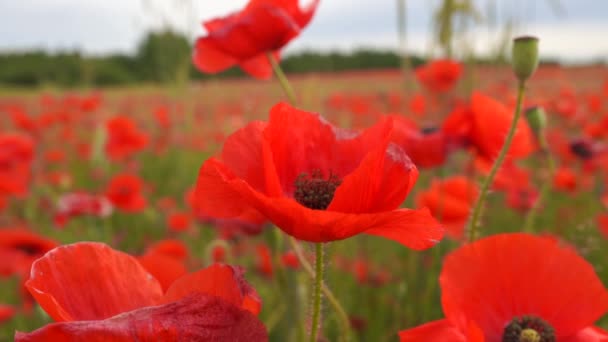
(72, 43)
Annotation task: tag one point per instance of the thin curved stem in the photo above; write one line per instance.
(342, 316)
(544, 192)
(316, 299)
(473, 224)
(278, 71)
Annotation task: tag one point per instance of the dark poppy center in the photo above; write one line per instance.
(315, 191)
(528, 329)
(581, 149)
(429, 130)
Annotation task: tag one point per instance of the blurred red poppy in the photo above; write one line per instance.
(245, 37)
(507, 286)
(484, 126)
(124, 138)
(178, 221)
(264, 260)
(79, 204)
(6, 312)
(316, 182)
(124, 191)
(450, 201)
(439, 76)
(427, 147)
(16, 156)
(98, 294)
(19, 248)
(565, 180)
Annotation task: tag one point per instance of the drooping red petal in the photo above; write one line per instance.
(258, 67)
(504, 276)
(198, 317)
(219, 280)
(89, 281)
(207, 57)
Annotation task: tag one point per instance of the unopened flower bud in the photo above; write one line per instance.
(525, 57)
(537, 120)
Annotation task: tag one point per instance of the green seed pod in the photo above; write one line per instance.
(537, 119)
(525, 57)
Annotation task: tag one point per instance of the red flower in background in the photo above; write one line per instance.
(79, 204)
(565, 180)
(6, 312)
(98, 294)
(315, 181)
(16, 156)
(178, 221)
(427, 147)
(19, 248)
(124, 191)
(439, 76)
(450, 201)
(245, 37)
(124, 138)
(484, 126)
(500, 287)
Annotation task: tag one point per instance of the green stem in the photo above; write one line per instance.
(473, 225)
(318, 281)
(342, 316)
(276, 68)
(544, 192)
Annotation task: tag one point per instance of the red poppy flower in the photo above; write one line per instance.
(124, 191)
(175, 249)
(178, 221)
(315, 181)
(79, 204)
(245, 37)
(19, 248)
(565, 180)
(124, 138)
(6, 312)
(98, 294)
(16, 156)
(290, 260)
(484, 126)
(511, 286)
(450, 201)
(439, 76)
(264, 261)
(602, 224)
(426, 147)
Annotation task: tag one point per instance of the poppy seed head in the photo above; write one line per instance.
(528, 329)
(314, 191)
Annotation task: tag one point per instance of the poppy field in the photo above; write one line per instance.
(448, 202)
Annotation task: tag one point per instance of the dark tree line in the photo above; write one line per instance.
(163, 57)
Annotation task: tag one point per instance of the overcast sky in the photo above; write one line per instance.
(577, 33)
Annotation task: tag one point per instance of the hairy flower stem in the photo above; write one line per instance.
(544, 192)
(333, 301)
(276, 68)
(472, 228)
(316, 299)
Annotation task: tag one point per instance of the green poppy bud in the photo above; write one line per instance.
(525, 57)
(537, 120)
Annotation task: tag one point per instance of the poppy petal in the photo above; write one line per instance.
(258, 67)
(198, 317)
(89, 281)
(416, 229)
(498, 278)
(209, 58)
(380, 183)
(221, 281)
(591, 334)
(165, 269)
(441, 330)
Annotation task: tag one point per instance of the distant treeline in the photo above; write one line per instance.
(162, 57)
